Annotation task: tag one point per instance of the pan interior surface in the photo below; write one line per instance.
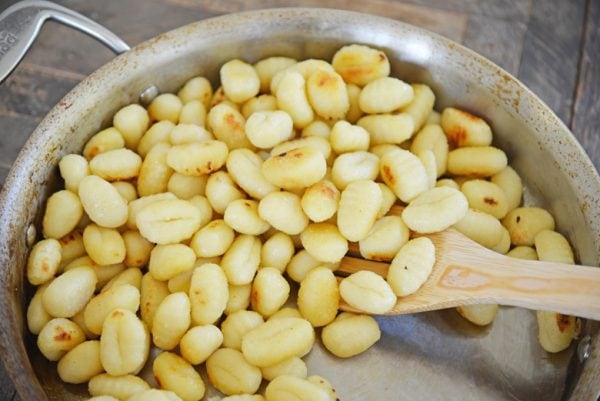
(434, 356)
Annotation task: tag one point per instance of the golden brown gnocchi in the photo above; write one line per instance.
(193, 214)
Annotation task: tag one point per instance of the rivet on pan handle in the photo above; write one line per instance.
(21, 23)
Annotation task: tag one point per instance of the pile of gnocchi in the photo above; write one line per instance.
(185, 227)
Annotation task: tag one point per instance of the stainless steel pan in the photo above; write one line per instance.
(433, 356)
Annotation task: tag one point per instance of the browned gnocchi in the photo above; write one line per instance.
(182, 226)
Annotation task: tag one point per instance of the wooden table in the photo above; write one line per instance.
(553, 46)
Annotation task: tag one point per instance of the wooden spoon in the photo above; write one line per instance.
(465, 273)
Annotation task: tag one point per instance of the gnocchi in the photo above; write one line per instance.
(320, 201)
(411, 266)
(175, 374)
(477, 161)
(240, 80)
(385, 239)
(208, 293)
(481, 227)
(431, 137)
(213, 239)
(435, 210)
(319, 297)
(245, 166)
(350, 335)
(124, 344)
(59, 336)
(199, 342)
(324, 242)
(63, 212)
(277, 340)
(346, 137)
(465, 129)
(421, 107)
(73, 168)
(385, 95)
(237, 324)
(288, 387)
(120, 387)
(327, 94)
(231, 373)
(358, 208)
(44, 261)
(388, 128)
(195, 212)
(103, 141)
(298, 168)
(277, 251)
(81, 363)
(132, 122)
(99, 307)
(486, 196)
(169, 221)
(293, 366)
(266, 129)
(367, 292)
(359, 64)
(354, 166)
(283, 211)
(165, 106)
(524, 223)
(102, 202)
(270, 290)
(171, 320)
(404, 173)
(69, 293)
(241, 260)
(291, 98)
(154, 173)
(183, 133)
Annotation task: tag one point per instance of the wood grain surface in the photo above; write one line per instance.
(553, 46)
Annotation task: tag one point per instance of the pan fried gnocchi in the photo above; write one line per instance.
(182, 225)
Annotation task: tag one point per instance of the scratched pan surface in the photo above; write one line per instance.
(432, 356)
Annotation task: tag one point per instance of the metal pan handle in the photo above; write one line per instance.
(21, 23)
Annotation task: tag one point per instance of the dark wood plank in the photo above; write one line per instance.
(500, 40)
(586, 111)
(515, 10)
(463, 6)
(6, 3)
(63, 48)
(136, 21)
(66, 49)
(7, 391)
(14, 130)
(448, 23)
(33, 89)
(551, 52)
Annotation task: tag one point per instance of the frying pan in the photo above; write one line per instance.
(434, 356)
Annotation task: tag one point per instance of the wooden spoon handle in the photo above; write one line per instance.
(469, 273)
(466, 273)
(573, 290)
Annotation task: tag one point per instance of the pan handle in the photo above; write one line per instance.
(21, 23)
